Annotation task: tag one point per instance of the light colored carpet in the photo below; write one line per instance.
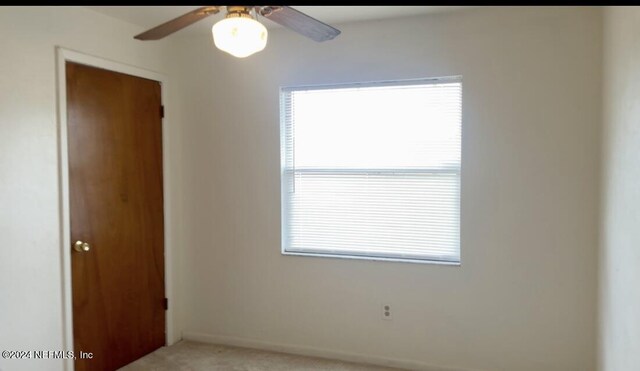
(193, 356)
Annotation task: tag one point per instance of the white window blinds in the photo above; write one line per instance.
(372, 170)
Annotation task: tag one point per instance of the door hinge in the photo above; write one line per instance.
(161, 111)
(165, 303)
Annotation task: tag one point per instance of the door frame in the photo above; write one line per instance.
(64, 55)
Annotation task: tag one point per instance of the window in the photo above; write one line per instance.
(372, 170)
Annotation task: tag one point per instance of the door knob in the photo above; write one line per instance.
(80, 246)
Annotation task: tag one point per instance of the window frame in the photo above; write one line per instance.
(284, 201)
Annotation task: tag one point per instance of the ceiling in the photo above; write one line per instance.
(151, 16)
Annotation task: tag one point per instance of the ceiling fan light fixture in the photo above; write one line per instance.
(239, 34)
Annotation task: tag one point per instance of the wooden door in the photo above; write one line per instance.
(114, 127)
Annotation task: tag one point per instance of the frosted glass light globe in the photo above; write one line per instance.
(239, 36)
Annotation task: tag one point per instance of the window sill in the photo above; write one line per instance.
(374, 258)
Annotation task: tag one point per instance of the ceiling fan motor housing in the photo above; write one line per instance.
(238, 11)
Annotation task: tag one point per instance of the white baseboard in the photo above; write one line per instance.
(314, 352)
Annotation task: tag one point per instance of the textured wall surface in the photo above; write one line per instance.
(620, 254)
(525, 295)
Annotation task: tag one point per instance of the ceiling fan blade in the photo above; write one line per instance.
(300, 23)
(178, 23)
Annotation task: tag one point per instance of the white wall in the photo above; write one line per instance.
(30, 252)
(525, 296)
(620, 253)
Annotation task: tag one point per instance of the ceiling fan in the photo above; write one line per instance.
(239, 33)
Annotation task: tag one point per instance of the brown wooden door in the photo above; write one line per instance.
(116, 206)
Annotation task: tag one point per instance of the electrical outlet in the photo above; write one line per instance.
(387, 314)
